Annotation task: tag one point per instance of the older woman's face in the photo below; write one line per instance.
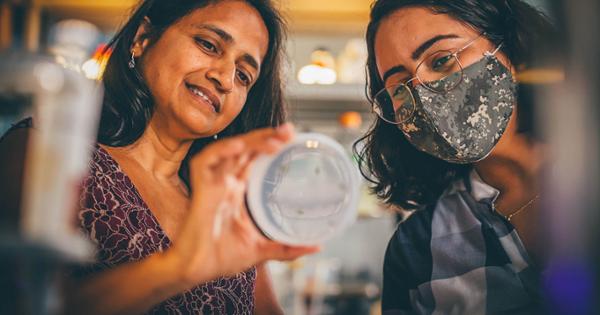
(202, 67)
(409, 35)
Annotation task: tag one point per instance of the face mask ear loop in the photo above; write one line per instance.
(489, 54)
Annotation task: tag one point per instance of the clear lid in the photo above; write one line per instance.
(306, 193)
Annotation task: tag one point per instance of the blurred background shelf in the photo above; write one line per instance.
(319, 107)
(340, 92)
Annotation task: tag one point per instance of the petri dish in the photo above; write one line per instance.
(305, 194)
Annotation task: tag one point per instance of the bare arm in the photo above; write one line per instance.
(265, 301)
(217, 238)
(129, 289)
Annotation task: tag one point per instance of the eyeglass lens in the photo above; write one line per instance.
(439, 72)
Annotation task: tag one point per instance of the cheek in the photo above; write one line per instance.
(160, 76)
(168, 63)
(236, 104)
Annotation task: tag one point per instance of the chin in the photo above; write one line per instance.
(197, 126)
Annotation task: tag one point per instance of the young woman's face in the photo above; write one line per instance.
(406, 37)
(202, 67)
(417, 42)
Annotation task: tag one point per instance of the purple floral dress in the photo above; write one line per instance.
(124, 229)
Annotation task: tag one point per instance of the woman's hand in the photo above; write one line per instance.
(218, 237)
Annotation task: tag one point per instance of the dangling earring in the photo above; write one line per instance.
(132, 61)
(216, 136)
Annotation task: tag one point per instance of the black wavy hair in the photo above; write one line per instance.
(406, 177)
(128, 104)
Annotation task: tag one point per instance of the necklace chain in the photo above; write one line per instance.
(510, 216)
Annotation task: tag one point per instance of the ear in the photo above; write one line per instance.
(141, 39)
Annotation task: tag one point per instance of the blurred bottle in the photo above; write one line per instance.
(72, 42)
(65, 108)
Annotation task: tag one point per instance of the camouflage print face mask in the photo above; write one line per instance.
(464, 124)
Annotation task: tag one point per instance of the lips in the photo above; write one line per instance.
(206, 95)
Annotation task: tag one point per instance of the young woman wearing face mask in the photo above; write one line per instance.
(454, 142)
(164, 201)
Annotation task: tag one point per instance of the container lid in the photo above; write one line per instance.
(306, 193)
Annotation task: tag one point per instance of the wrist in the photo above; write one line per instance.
(171, 269)
(181, 272)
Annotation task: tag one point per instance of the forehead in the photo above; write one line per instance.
(403, 31)
(238, 18)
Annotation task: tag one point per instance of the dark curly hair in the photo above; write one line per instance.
(406, 177)
(128, 104)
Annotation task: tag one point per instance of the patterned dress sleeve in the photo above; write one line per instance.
(96, 212)
(114, 217)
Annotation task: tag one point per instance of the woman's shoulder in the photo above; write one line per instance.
(409, 245)
(452, 212)
(102, 162)
(415, 227)
(113, 214)
(408, 260)
(105, 180)
(105, 171)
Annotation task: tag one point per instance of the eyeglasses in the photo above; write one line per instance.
(439, 72)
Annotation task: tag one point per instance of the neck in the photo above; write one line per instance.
(157, 152)
(512, 168)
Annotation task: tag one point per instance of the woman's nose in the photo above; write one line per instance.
(222, 74)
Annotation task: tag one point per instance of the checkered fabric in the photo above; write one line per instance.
(459, 257)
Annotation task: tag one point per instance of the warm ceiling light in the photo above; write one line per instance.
(94, 67)
(320, 70)
(313, 74)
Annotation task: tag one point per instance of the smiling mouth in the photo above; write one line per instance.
(198, 91)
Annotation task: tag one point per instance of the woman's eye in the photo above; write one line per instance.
(441, 62)
(206, 45)
(245, 79)
(400, 92)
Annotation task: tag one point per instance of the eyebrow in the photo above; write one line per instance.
(426, 45)
(393, 70)
(226, 37)
(417, 54)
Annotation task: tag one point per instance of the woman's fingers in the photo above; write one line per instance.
(261, 141)
(269, 145)
(278, 251)
(214, 153)
(268, 140)
(267, 249)
(235, 155)
(283, 133)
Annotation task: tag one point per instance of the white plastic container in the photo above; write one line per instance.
(305, 194)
